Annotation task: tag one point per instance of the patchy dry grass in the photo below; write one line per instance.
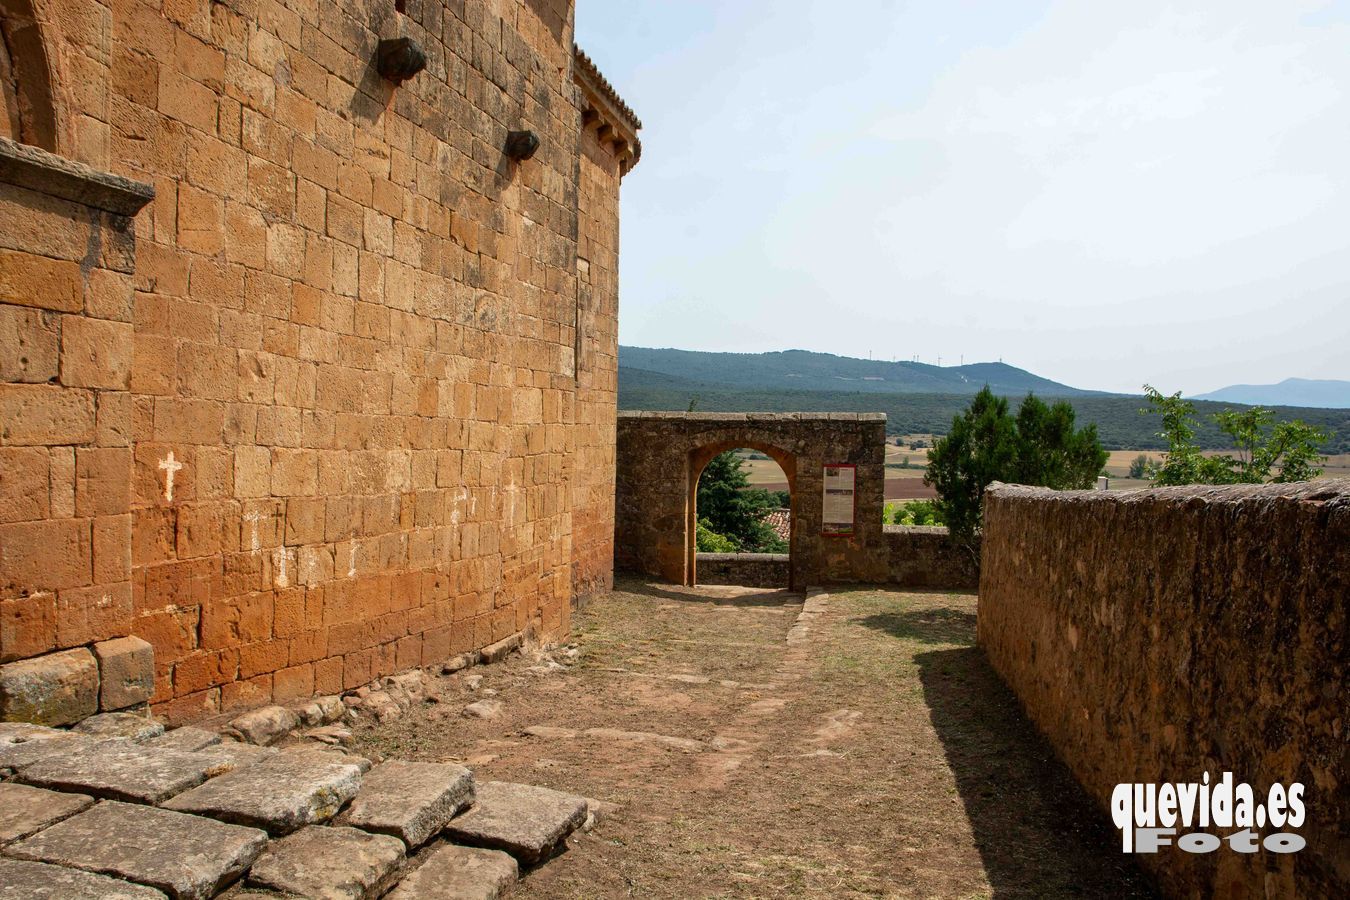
(884, 760)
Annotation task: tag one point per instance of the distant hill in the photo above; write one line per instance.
(1117, 417)
(802, 370)
(1325, 394)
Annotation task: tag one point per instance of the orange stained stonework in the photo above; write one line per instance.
(340, 399)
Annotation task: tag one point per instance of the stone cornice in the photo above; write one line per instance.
(37, 170)
(605, 113)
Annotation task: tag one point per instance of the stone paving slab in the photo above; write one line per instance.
(332, 863)
(120, 770)
(281, 793)
(25, 810)
(127, 725)
(410, 800)
(451, 872)
(227, 756)
(186, 738)
(526, 821)
(24, 880)
(22, 743)
(187, 857)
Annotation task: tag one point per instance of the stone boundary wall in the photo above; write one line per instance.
(921, 556)
(1156, 635)
(765, 570)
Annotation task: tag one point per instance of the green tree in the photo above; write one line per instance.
(1139, 466)
(1039, 446)
(733, 509)
(708, 541)
(1261, 444)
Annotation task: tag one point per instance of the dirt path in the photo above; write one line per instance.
(754, 746)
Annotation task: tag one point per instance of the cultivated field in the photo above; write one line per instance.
(907, 483)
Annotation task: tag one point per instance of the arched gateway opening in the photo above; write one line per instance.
(661, 457)
(740, 515)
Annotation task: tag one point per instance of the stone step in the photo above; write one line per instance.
(281, 793)
(526, 821)
(24, 880)
(22, 743)
(412, 801)
(119, 770)
(187, 857)
(335, 863)
(27, 810)
(451, 872)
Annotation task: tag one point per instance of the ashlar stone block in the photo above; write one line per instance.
(186, 857)
(56, 689)
(526, 821)
(323, 861)
(411, 800)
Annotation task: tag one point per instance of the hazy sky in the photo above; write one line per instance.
(1106, 192)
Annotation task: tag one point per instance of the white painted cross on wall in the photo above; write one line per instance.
(170, 467)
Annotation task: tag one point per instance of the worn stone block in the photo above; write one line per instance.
(281, 793)
(187, 857)
(186, 739)
(462, 873)
(410, 800)
(126, 672)
(227, 756)
(95, 353)
(329, 862)
(25, 810)
(526, 821)
(56, 689)
(25, 880)
(22, 743)
(121, 770)
(266, 725)
(132, 726)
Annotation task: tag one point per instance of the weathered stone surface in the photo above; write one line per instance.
(452, 872)
(266, 725)
(330, 734)
(227, 756)
(526, 821)
(484, 709)
(329, 863)
(689, 745)
(185, 856)
(132, 726)
(126, 668)
(22, 743)
(25, 880)
(281, 793)
(1153, 632)
(186, 738)
(410, 800)
(497, 652)
(120, 770)
(56, 689)
(25, 810)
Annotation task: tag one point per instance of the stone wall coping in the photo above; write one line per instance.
(37, 170)
(1334, 490)
(914, 529)
(724, 417)
(744, 557)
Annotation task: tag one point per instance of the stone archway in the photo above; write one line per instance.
(698, 461)
(27, 104)
(661, 455)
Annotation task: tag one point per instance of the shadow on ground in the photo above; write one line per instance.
(1037, 831)
(706, 595)
(927, 626)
